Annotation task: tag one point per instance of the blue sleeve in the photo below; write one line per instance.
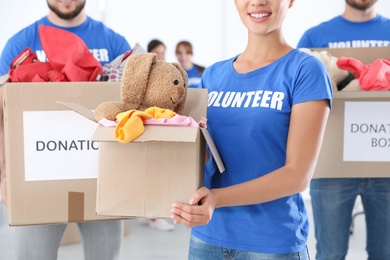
(10, 51)
(312, 82)
(121, 45)
(305, 41)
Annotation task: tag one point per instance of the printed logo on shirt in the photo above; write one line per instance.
(100, 54)
(193, 81)
(250, 99)
(359, 44)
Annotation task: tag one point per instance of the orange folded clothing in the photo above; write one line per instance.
(130, 123)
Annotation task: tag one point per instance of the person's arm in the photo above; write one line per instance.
(10, 51)
(307, 127)
(3, 178)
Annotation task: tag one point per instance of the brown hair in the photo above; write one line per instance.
(187, 46)
(154, 43)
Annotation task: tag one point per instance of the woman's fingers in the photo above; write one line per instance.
(188, 215)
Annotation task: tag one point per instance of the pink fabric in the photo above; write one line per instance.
(375, 76)
(177, 120)
(107, 123)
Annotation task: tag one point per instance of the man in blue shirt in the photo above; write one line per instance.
(333, 199)
(101, 239)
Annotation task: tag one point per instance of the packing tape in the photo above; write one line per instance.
(75, 206)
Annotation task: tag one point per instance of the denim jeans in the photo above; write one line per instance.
(200, 250)
(102, 240)
(333, 201)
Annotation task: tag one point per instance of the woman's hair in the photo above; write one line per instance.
(187, 46)
(154, 43)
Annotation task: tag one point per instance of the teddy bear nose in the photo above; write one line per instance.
(180, 91)
(176, 82)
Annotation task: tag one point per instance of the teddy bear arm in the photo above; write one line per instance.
(109, 110)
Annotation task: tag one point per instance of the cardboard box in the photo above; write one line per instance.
(165, 164)
(357, 135)
(51, 161)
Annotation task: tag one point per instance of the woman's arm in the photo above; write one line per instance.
(307, 127)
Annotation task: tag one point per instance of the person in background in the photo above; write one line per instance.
(101, 239)
(267, 111)
(157, 46)
(184, 53)
(333, 199)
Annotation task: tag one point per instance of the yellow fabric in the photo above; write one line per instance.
(157, 112)
(130, 123)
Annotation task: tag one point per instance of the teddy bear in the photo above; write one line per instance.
(147, 82)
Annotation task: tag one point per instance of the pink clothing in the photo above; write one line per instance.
(177, 120)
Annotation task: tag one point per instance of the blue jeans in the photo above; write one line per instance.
(200, 250)
(333, 201)
(102, 240)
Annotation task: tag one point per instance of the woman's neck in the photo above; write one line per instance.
(261, 51)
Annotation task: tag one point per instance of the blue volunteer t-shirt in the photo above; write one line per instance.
(341, 33)
(248, 118)
(193, 77)
(103, 42)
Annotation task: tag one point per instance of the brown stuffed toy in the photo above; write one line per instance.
(148, 82)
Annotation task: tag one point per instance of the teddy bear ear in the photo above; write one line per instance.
(135, 78)
(180, 107)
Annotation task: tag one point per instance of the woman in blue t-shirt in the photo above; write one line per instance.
(184, 55)
(267, 111)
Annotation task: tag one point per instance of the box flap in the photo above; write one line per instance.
(213, 149)
(79, 109)
(363, 95)
(196, 103)
(366, 55)
(151, 133)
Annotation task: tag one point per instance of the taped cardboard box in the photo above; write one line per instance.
(357, 135)
(163, 165)
(51, 161)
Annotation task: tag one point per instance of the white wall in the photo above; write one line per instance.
(212, 26)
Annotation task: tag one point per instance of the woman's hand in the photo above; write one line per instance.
(200, 210)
